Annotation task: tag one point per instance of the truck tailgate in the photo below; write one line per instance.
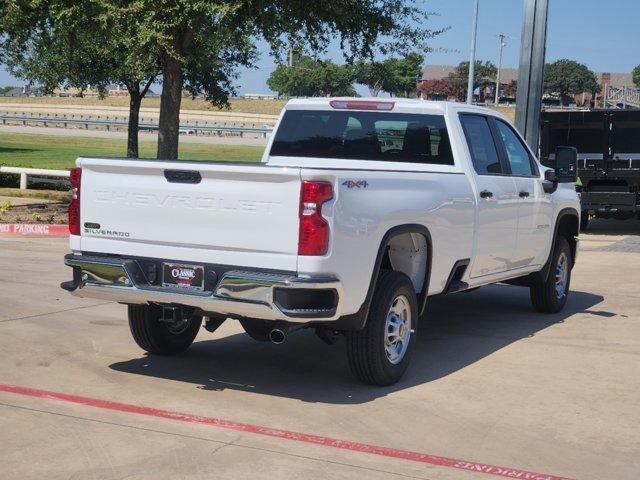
(236, 214)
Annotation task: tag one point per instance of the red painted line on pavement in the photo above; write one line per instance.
(37, 229)
(285, 434)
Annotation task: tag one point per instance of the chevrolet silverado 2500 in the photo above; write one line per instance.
(358, 212)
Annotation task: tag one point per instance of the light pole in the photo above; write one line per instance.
(531, 70)
(503, 44)
(472, 53)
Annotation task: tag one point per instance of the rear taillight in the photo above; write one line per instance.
(74, 205)
(314, 229)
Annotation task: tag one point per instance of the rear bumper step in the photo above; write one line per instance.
(238, 293)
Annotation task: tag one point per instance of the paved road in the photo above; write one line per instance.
(491, 382)
(77, 132)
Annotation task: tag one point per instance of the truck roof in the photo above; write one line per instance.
(403, 104)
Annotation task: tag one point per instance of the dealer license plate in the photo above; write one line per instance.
(184, 276)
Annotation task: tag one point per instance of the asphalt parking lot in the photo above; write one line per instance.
(491, 384)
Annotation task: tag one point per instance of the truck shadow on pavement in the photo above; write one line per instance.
(457, 331)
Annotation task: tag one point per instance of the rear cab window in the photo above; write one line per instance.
(484, 153)
(363, 135)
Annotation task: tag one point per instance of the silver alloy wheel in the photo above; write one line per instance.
(562, 275)
(397, 329)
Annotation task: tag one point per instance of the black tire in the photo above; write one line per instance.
(257, 329)
(368, 358)
(158, 337)
(584, 220)
(545, 297)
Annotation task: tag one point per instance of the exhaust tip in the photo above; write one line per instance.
(277, 336)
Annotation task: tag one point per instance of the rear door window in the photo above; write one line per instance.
(481, 145)
(355, 135)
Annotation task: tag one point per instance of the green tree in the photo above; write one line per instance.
(312, 78)
(484, 74)
(635, 75)
(201, 41)
(396, 76)
(371, 74)
(333, 80)
(56, 43)
(403, 75)
(568, 77)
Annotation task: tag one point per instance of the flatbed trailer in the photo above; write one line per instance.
(608, 143)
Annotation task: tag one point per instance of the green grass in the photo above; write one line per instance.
(60, 152)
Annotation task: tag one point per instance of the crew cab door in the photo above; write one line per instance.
(535, 208)
(497, 213)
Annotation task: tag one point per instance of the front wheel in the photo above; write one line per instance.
(549, 296)
(155, 334)
(380, 353)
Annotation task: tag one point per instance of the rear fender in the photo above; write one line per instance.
(357, 321)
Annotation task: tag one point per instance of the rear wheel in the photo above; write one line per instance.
(380, 353)
(550, 296)
(160, 336)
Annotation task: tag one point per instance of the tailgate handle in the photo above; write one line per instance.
(182, 176)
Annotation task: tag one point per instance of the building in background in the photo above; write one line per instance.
(432, 74)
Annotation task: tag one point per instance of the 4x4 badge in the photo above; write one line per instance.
(355, 183)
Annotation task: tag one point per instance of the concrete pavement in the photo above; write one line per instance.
(491, 382)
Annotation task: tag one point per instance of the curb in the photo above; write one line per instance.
(31, 229)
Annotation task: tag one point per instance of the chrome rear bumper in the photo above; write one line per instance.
(238, 293)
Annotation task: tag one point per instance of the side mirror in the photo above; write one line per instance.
(550, 182)
(566, 164)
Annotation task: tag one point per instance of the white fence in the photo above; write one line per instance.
(621, 97)
(27, 172)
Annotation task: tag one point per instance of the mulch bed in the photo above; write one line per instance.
(35, 213)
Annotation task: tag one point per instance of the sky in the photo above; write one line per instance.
(603, 34)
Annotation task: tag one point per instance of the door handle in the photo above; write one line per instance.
(486, 194)
(524, 194)
(183, 176)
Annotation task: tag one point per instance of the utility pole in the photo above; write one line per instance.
(472, 53)
(503, 44)
(530, 73)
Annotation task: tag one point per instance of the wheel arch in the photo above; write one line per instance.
(357, 320)
(568, 226)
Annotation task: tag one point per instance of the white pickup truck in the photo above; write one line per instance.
(358, 212)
